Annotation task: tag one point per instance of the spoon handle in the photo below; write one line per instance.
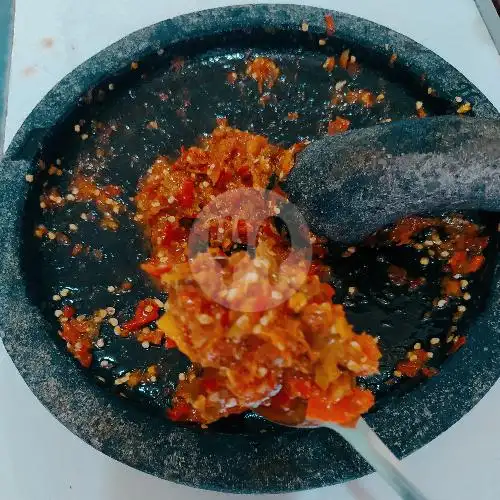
(366, 442)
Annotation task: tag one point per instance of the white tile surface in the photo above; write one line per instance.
(39, 458)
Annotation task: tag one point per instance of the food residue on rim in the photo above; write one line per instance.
(30, 70)
(47, 42)
(338, 125)
(330, 24)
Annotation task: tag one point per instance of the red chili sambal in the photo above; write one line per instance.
(270, 349)
(302, 351)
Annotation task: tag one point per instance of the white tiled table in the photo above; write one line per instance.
(39, 458)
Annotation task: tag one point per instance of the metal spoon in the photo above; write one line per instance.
(367, 443)
(351, 184)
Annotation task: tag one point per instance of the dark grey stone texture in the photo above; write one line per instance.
(347, 186)
(277, 461)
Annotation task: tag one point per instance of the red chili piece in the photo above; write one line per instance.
(146, 312)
